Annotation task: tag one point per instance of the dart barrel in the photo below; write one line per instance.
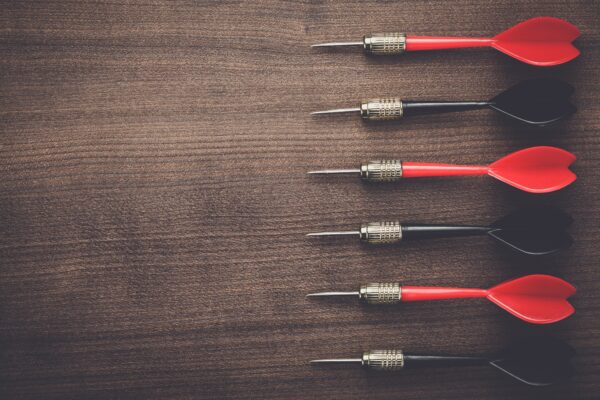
(385, 43)
(381, 109)
(381, 170)
(381, 232)
(380, 293)
(383, 360)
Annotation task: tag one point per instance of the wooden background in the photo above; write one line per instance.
(154, 201)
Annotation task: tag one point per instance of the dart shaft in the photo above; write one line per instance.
(411, 108)
(421, 231)
(418, 43)
(419, 169)
(417, 361)
(424, 293)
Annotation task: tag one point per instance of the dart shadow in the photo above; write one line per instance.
(532, 264)
(524, 134)
(515, 198)
(440, 57)
(529, 134)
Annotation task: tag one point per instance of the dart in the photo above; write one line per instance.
(537, 102)
(532, 231)
(539, 169)
(537, 299)
(540, 41)
(537, 361)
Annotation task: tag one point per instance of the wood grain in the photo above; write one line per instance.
(153, 199)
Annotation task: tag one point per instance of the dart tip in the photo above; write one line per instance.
(336, 360)
(328, 294)
(334, 171)
(337, 44)
(341, 233)
(336, 111)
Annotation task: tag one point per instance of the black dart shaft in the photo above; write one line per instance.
(419, 231)
(416, 361)
(410, 108)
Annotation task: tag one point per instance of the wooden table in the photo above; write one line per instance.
(154, 199)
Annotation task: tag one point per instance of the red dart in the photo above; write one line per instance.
(541, 41)
(538, 299)
(539, 169)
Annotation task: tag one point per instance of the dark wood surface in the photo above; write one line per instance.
(154, 201)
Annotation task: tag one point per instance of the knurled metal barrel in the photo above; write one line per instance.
(381, 170)
(385, 43)
(381, 232)
(383, 360)
(381, 109)
(380, 293)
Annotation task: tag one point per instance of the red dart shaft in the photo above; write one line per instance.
(416, 43)
(416, 169)
(421, 293)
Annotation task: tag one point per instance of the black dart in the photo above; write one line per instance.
(532, 231)
(537, 102)
(537, 361)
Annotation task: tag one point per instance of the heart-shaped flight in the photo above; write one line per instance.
(537, 361)
(537, 102)
(539, 169)
(533, 231)
(540, 41)
(537, 299)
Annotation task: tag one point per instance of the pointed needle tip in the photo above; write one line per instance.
(334, 171)
(337, 44)
(336, 111)
(336, 360)
(327, 294)
(342, 233)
